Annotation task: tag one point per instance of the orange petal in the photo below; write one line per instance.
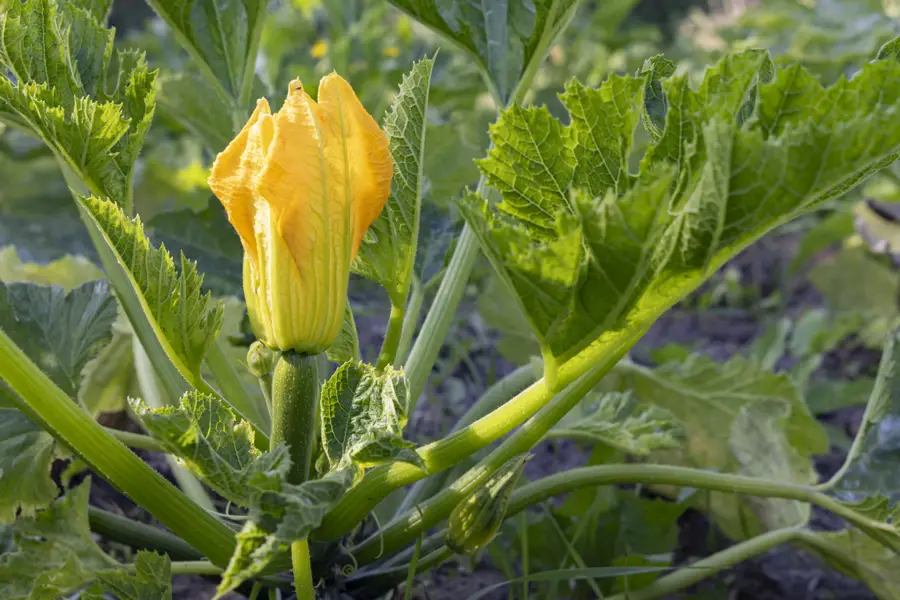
(234, 173)
(357, 153)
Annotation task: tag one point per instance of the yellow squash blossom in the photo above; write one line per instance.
(301, 187)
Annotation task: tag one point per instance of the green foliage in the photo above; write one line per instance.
(503, 37)
(388, 252)
(151, 580)
(185, 322)
(53, 553)
(221, 38)
(614, 419)
(91, 110)
(192, 101)
(61, 333)
(213, 443)
(590, 247)
(739, 418)
(362, 414)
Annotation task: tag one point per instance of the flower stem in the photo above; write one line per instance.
(391, 338)
(295, 401)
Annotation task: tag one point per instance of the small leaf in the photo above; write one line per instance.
(733, 415)
(614, 420)
(363, 414)
(151, 579)
(53, 553)
(184, 319)
(280, 515)
(504, 36)
(388, 252)
(220, 36)
(213, 444)
(62, 87)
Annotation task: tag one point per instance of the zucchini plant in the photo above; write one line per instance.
(595, 220)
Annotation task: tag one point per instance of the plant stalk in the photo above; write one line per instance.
(140, 536)
(295, 402)
(391, 338)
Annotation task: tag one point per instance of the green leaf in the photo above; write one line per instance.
(65, 87)
(362, 416)
(221, 37)
(388, 251)
(737, 418)
(614, 420)
(67, 272)
(191, 101)
(830, 231)
(207, 237)
(504, 36)
(346, 347)
(61, 333)
(53, 552)
(280, 515)
(874, 304)
(857, 555)
(588, 247)
(109, 378)
(150, 580)
(183, 319)
(872, 464)
(213, 443)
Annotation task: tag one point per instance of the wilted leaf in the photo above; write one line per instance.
(62, 87)
(614, 420)
(590, 248)
(737, 418)
(362, 415)
(214, 444)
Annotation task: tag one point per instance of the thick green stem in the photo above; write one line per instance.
(709, 566)
(112, 460)
(304, 585)
(139, 536)
(295, 400)
(493, 398)
(391, 338)
(411, 320)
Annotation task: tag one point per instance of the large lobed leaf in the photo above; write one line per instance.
(588, 246)
(737, 418)
(64, 82)
(184, 319)
(502, 35)
(388, 251)
(61, 333)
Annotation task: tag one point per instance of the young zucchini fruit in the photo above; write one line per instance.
(475, 521)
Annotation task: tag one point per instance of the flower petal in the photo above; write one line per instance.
(234, 174)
